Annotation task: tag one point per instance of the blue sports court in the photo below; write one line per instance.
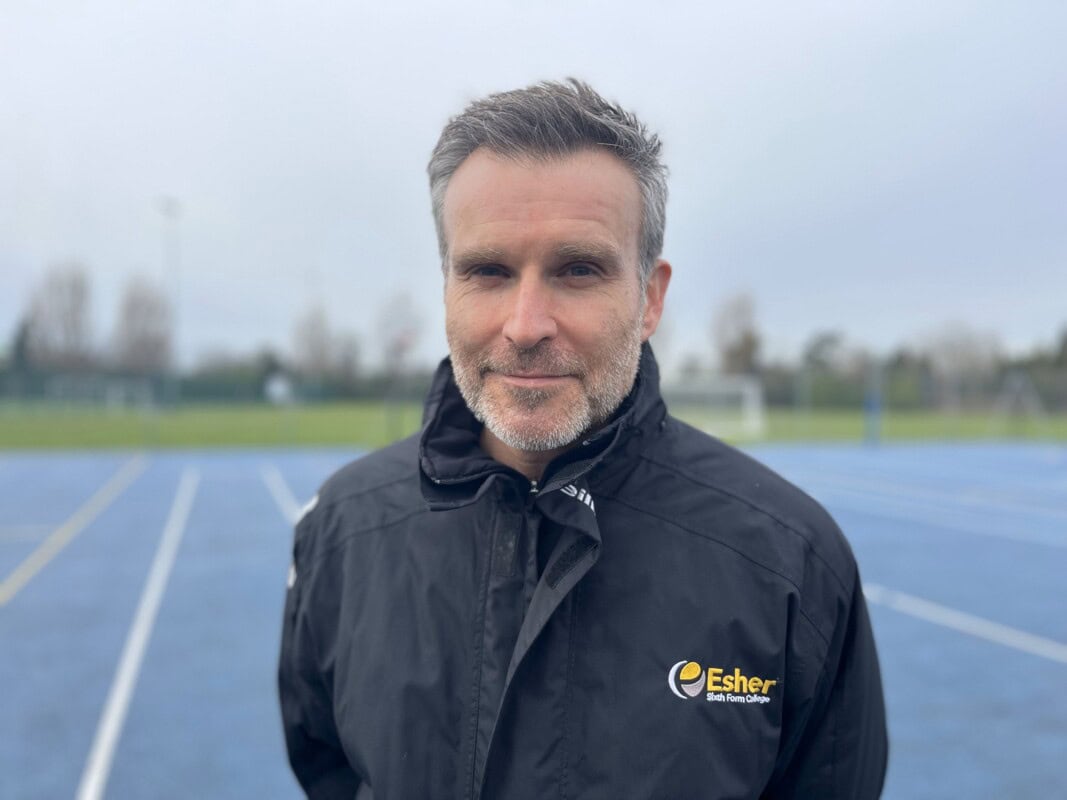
(141, 596)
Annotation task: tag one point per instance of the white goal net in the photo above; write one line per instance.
(726, 406)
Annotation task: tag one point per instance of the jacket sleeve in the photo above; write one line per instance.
(838, 747)
(311, 737)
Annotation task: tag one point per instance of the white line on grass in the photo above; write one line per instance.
(282, 494)
(65, 533)
(966, 623)
(98, 765)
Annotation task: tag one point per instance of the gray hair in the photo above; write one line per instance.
(552, 120)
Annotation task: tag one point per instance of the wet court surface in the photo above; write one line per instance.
(141, 597)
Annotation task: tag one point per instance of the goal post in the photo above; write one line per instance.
(1018, 408)
(726, 406)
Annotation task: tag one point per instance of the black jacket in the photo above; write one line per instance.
(662, 617)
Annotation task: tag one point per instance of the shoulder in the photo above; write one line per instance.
(367, 494)
(373, 472)
(708, 489)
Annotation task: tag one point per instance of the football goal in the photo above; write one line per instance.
(726, 406)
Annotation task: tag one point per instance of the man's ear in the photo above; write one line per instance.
(655, 291)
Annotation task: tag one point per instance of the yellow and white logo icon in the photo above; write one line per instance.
(686, 679)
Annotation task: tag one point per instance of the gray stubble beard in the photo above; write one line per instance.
(601, 398)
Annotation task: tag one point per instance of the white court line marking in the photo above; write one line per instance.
(282, 494)
(65, 533)
(971, 496)
(934, 518)
(948, 512)
(98, 766)
(966, 623)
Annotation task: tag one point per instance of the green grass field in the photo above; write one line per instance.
(785, 425)
(372, 424)
(364, 424)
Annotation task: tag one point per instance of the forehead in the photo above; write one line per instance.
(587, 196)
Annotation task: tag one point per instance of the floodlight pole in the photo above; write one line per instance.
(171, 210)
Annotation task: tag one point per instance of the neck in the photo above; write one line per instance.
(530, 463)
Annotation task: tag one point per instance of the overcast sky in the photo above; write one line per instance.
(879, 168)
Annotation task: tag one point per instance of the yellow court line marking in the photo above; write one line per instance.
(65, 533)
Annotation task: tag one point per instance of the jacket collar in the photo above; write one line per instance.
(455, 471)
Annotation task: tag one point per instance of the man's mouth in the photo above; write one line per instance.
(542, 369)
(532, 380)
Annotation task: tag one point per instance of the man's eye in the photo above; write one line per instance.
(580, 270)
(488, 271)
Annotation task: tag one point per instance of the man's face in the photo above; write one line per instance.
(545, 313)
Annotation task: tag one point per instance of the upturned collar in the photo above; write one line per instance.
(455, 470)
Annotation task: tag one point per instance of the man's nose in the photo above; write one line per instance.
(530, 318)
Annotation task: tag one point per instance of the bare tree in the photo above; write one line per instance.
(143, 334)
(399, 325)
(961, 358)
(319, 352)
(58, 324)
(345, 366)
(824, 350)
(1059, 357)
(735, 335)
(957, 350)
(830, 351)
(313, 343)
(20, 348)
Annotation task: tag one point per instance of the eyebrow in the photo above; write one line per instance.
(603, 254)
(477, 257)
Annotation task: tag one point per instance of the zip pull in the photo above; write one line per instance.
(533, 487)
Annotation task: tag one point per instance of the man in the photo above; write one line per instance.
(556, 589)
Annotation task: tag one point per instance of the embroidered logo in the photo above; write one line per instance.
(579, 494)
(688, 679)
